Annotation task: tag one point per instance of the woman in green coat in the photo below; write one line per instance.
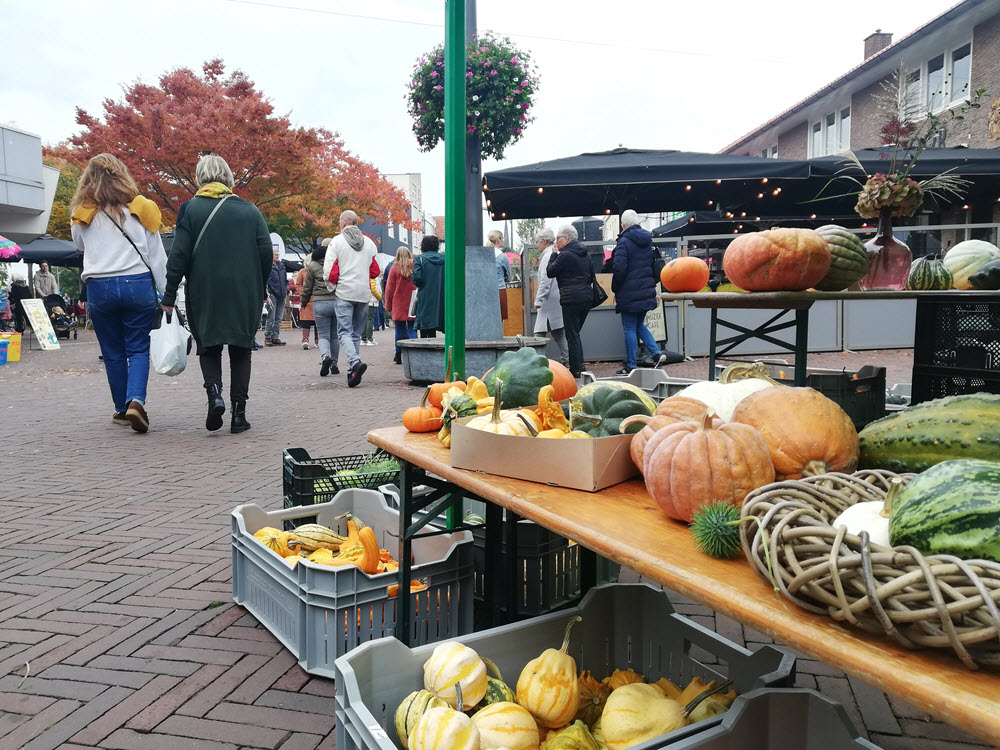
(428, 278)
(222, 247)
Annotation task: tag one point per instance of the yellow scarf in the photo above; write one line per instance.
(214, 190)
(147, 212)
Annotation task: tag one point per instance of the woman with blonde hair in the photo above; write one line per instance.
(399, 291)
(223, 249)
(124, 267)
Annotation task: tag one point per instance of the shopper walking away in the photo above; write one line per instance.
(399, 290)
(318, 293)
(634, 285)
(44, 282)
(307, 319)
(428, 278)
(350, 265)
(495, 238)
(572, 270)
(221, 246)
(277, 292)
(549, 319)
(371, 325)
(124, 265)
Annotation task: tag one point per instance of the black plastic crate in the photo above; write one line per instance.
(307, 481)
(957, 346)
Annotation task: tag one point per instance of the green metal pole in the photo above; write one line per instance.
(454, 166)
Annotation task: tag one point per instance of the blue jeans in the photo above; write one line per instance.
(635, 328)
(122, 309)
(351, 319)
(325, 312)
(273, 328)
(404, 330)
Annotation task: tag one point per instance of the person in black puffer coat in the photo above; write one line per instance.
(570, 266)
(634, 285)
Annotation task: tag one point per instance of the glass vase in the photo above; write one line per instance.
(888, 258)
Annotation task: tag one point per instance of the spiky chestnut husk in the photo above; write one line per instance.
(716, 530)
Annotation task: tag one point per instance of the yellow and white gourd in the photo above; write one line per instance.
(506, 725)
(548, 685)
(639, 712)
(452, 663)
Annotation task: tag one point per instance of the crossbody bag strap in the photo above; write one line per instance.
(135, 247)
(209, 221)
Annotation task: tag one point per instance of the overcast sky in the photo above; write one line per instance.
(640, 73)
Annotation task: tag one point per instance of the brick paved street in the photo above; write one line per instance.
(115, 593)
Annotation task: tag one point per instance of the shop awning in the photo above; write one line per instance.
(643, 180)
(53, 251)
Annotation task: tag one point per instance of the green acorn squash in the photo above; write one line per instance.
(953, 508)
(849, 259)
(603, 409)
(524, 372)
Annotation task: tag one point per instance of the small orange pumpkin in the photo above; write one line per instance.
(806, 433)
(437, 391)
(692, 463)
(422, 418)
(684, 275)
(562, 381)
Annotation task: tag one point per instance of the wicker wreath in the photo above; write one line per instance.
(920, 601)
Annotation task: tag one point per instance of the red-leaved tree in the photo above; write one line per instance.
(300, 178)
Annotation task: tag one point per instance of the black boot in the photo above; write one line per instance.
(216, 408)
(239, 420)
(398, 359)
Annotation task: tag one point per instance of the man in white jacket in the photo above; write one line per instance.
(351, 268)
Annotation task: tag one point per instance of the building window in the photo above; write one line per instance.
(935, 83)
(942, 81)
(831, 135)
(769, 153)
(961, 71)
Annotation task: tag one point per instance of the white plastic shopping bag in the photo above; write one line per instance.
(168, 346)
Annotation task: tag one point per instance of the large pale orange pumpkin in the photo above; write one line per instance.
(805, 432)
(684, 275)
(669, 411)
(692, 463)
(562, 381)
(777, 260)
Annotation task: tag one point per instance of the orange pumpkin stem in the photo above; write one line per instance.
(815, 467)
(705, 423)
(569, 627)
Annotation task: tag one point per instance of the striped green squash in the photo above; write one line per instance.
(408, 712)
(849, 258)
(953, 508)
(915, 439)
(497, 691)
(928, 273)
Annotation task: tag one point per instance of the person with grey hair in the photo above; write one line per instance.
(570, 267)
(549, 318)
(222, 247)
(634, 285)
(350, 266)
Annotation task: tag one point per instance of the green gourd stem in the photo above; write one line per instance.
(894, 488)
(569, 627)
(492, 667)
(497, 401)
(532, 429)
(458, 697)
(575, 416)
(696, 701)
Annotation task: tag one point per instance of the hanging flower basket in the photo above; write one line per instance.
(500, 83)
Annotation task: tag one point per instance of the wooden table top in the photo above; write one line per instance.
(623, 524)
(804, 300)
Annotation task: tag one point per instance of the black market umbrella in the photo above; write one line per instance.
(701, 223)
(981, 167)
(53, 251)
(643, 180)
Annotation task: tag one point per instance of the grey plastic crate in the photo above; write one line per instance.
(319, 612)
(781, 719)
(653, 381)
(624, 626)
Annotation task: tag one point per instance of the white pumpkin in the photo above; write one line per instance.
(723, 397)
(451, 663)
(506, 725)
(444, 729)
(966, 258)
(867, 516)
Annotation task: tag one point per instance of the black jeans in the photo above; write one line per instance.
(428, 333)
(239, 370)
(573, 319)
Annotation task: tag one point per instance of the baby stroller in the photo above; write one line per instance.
(62, 323)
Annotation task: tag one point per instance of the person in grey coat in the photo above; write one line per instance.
(550, 317)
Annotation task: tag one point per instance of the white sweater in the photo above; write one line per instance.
(107, 253)
(354, 268)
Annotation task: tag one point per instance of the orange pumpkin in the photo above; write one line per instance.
(436, 393)
(422, 418)
(806, 433)
(669, 411)
(562, 381)
(777, 260)
(684, 275)
(692, 463)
